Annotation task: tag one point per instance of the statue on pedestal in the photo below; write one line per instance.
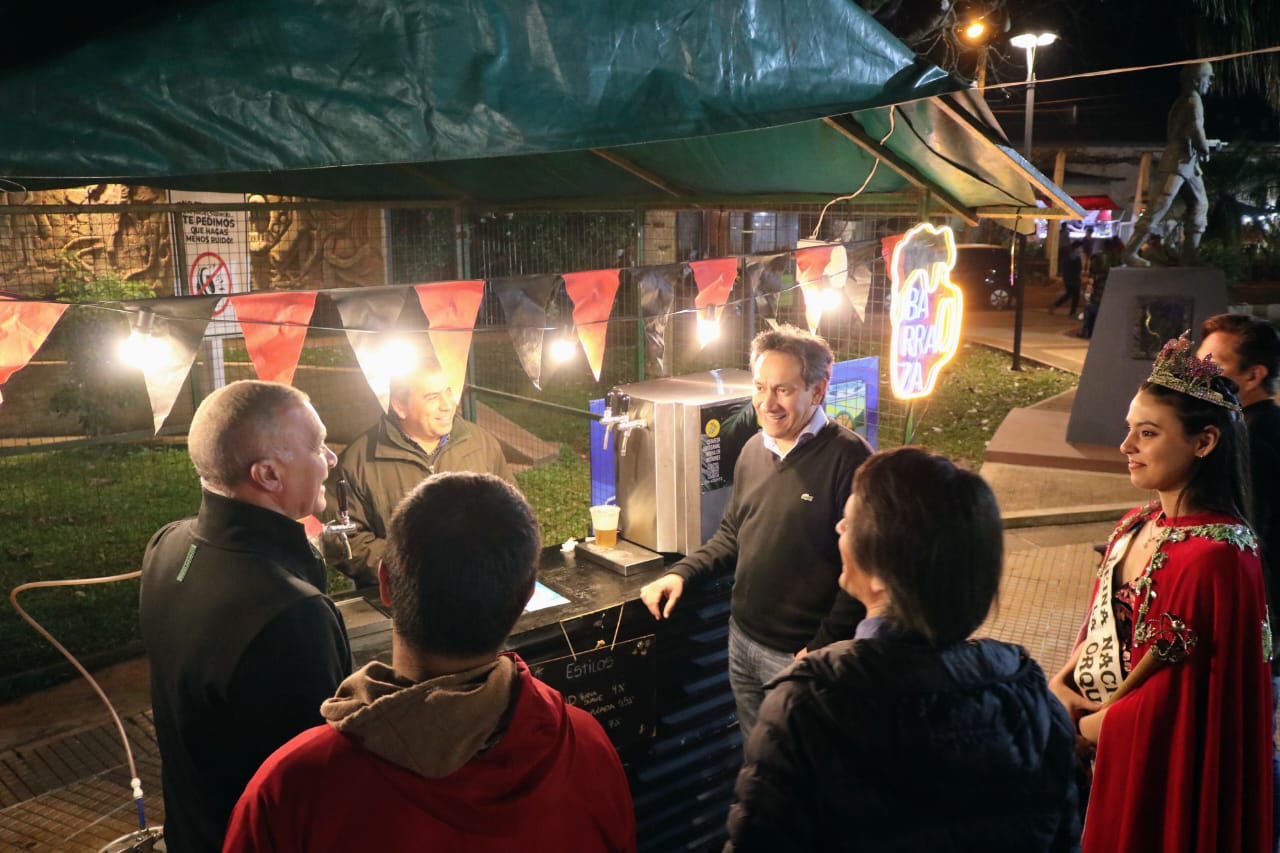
(1184, 151)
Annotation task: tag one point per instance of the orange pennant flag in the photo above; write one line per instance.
(592, 294)
(715, 280)
(451, 308)
(23, 328)
(275, 327)
(811, 265)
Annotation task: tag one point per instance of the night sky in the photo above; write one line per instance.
(1103, 34)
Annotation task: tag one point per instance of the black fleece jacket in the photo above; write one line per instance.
(891, 744)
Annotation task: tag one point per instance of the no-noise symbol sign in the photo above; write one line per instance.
(210, 276)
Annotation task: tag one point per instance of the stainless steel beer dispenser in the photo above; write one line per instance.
(675, 443)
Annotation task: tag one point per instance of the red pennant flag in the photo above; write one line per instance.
(23, 328)
(451, 308)
(811, 265)
(715, 281)
(275, 327)
(592, 294)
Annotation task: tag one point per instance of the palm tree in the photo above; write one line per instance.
(1231, 26)
(1243, 178)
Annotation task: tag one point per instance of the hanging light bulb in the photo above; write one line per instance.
(147, 346)
(832, 297)
(837, 274)
(565, 346)
(708, 326)
(398, 358)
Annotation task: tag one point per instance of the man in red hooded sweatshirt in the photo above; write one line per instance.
(454, 746)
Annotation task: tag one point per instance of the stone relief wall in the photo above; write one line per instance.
(137, 246)
(289, 249)
(316, 249)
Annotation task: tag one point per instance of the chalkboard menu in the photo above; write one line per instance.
(614, 683)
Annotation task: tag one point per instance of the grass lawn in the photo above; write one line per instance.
(90, 510)
(974, 394)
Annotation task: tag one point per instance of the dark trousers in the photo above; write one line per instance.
(1090, 317)
(1072, 295)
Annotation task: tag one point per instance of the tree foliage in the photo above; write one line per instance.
(1232, 26)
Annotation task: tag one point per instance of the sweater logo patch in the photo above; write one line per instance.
(806, 497)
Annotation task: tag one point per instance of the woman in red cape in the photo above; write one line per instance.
(1172, 679)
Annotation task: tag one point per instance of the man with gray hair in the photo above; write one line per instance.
(790, 485)
(421, 435)
(454, 745)
(243, 643)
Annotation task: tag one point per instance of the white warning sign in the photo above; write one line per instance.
(215, 245)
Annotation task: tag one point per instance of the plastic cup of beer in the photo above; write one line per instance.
(604, 519)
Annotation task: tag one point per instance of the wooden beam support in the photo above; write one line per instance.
(640, 172)
(848, 127)
(1065, 205)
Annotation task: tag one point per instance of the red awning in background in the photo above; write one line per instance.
(1096, 202)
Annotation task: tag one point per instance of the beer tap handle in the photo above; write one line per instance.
(342, 525)
(344, 502)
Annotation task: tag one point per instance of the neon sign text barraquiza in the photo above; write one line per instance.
(925, 312)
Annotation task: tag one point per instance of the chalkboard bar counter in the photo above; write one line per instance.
(588, 587)
(660, 689)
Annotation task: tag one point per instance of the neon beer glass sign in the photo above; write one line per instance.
(925, 312)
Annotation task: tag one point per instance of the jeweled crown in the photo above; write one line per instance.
(1177, 367)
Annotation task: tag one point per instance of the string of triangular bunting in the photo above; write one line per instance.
(275, 323)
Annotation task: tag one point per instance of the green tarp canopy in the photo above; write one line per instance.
(511, 102)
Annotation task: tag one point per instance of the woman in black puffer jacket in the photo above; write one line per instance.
(910, 736)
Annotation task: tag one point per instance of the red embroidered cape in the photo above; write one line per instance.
(1184, 761)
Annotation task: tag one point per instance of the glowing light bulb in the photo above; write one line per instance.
(974, 31)
(143, 350)
(708, 330)
(398, 357)
(563, 348)
(832, 298)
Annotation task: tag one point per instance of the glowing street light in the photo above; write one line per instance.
(1029, 42)
(977, 31)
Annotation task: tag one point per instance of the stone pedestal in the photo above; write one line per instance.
(1141, 309)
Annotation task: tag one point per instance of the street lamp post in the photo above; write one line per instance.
(1028, 42)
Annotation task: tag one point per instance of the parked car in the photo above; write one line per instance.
(984, 273)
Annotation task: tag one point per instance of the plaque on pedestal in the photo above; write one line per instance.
(1141, 309)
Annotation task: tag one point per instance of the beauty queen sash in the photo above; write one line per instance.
(1098, 672)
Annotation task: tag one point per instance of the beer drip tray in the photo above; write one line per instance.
(626, 559)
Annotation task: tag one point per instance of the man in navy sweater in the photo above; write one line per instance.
(1248, 350)
(777, 536)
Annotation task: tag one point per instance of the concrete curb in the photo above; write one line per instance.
(1065, 515)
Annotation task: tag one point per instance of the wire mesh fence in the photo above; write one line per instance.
(84, 481)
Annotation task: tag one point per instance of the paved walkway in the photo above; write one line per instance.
(64, 785)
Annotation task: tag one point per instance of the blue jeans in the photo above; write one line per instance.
(750, 666)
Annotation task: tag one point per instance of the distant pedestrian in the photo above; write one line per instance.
(1102, 264)
(1072, 270)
